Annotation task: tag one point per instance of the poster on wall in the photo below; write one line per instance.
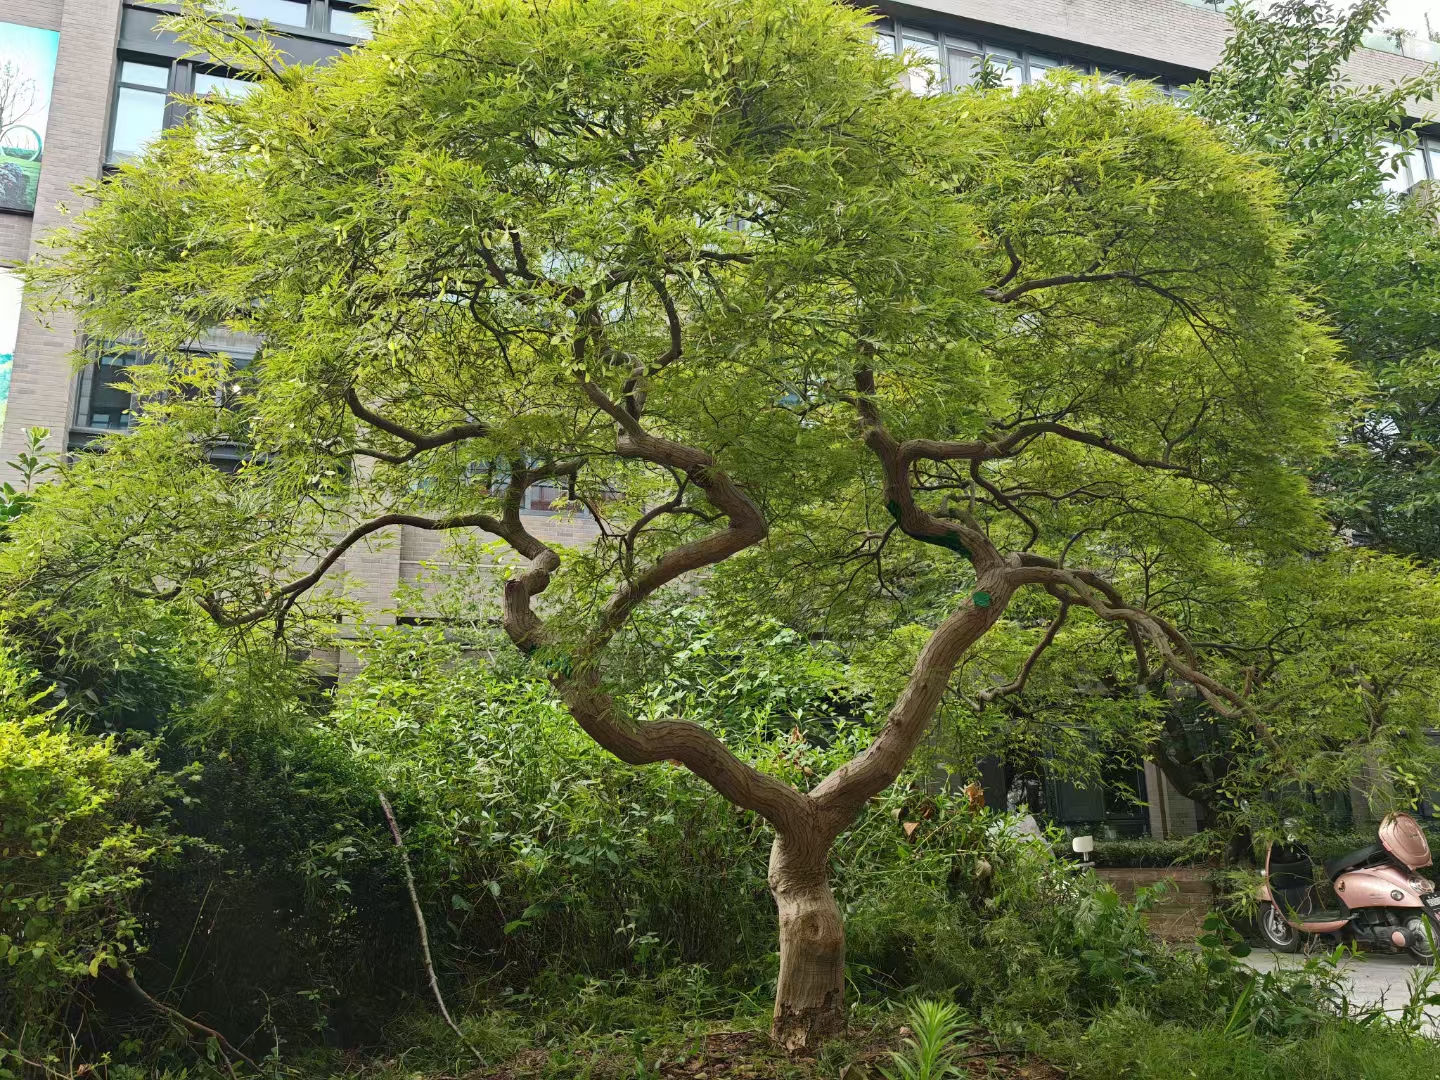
(9, 328)
(27, 74)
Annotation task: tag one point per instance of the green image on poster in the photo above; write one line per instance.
(27, 75)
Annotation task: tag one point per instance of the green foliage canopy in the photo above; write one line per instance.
(1370, 257)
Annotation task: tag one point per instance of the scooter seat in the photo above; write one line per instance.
(1335, 867)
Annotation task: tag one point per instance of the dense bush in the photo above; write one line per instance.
(529, 841)
(83, 821)
(293, 912)
(565, 891)
(1144, 852)
(532, 844)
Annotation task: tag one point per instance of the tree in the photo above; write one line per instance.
(1371, 258)
(764, 315)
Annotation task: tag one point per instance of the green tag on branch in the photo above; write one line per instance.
(982, 599)
(949, 541)
(555, 661)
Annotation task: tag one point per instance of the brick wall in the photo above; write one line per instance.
(14, 238)
(1179, 916)
(74, 142)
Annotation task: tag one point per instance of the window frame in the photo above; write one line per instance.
(86, 380)
(340, 5)
(308, 24)
(168, 93)
(181, 83)
(892, 30)
(86, 383)
(1422, 164)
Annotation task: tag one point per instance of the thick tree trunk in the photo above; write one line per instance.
(810, 996)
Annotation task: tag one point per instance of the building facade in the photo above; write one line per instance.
(114, 80)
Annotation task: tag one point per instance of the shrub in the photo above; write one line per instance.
(82, 820)
(530, 842)
(1144, 852)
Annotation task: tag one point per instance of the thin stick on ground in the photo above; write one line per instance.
(420, 922)
(126, 976)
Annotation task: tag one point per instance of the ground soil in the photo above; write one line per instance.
(749, 1055)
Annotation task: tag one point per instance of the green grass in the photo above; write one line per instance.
(1127, 1044)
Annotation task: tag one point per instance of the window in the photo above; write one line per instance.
(1040, 67)
(1400, 171)
(105, 402)
(145, 101)
(1009, 64)
(543, 497)
(1431, 149)
(1420, 164)
(923, 48)
(147, 88)
(339, 17)
(208, 85)
(964, 61)
(139, 108)
(348, 21)
(949, 62)
(279, 12)
(884, 38)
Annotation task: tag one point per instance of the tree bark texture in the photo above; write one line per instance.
(810, 993)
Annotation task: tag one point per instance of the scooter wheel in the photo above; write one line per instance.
(1421, 944)
(1278, 934)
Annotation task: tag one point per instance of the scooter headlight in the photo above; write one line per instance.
(1422, 885)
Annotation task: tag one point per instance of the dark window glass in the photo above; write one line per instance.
(1124, 790)
(105, 401)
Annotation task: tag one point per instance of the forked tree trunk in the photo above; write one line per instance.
(810, 995)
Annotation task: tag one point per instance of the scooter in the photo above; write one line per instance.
(1383, 902)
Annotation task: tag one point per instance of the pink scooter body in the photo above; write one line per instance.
(1376, 886)
(1395, 885)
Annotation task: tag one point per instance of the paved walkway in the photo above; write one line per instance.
(1372, 978)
